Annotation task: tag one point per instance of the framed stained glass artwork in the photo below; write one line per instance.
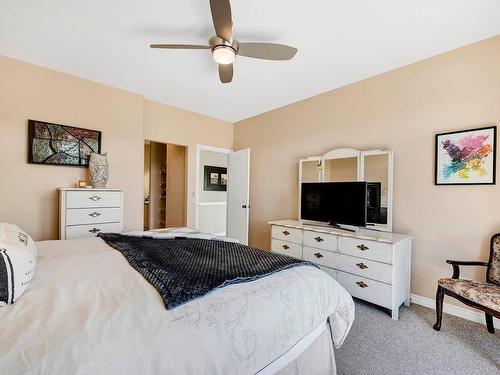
(56, 144)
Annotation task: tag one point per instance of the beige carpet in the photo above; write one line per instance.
(379, 345)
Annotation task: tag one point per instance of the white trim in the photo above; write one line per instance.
(200, 204)
(199, 148)
(475, 316)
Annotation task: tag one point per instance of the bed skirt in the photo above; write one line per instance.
(318, 359)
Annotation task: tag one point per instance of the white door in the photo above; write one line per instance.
(238, 195)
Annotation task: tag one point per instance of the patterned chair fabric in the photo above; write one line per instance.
(483, 294)
(494, 266)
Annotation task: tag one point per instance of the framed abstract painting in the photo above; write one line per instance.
(466, 157)
(56, 144)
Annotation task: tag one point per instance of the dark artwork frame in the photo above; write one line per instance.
(209, 183)
(40, 132)
(494, 152)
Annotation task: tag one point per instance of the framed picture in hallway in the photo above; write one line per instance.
(466, 157)
(215, 178)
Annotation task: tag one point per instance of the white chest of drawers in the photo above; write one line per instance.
(373, 266)
(87, 212)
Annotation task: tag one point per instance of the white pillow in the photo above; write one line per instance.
(17, 262)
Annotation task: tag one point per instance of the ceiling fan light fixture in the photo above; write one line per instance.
(223, 54)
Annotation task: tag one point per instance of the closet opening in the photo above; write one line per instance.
(165, 185)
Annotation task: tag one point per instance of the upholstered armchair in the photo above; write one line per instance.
(482, 296)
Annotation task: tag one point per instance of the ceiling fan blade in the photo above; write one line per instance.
(179, 46)
(221, 15)
(267, 51)
(226, 73)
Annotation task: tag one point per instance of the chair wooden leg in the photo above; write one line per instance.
(439, 308)
(489, 323)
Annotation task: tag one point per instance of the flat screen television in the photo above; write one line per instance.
(334, 202)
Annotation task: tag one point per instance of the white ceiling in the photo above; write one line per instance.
(339, 42)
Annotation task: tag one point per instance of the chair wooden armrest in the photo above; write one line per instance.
(456, 263)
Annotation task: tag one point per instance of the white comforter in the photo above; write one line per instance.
(89, 312)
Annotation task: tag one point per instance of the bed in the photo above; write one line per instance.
(89, 312)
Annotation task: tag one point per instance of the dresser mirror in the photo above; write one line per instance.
(310, 170)
(348, 164)
(377, 171)
(341, 169)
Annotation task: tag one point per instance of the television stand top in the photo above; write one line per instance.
(362, 233)
(327, 225)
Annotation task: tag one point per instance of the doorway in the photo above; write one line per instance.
(222, 192)
(212, 177)
(165, 187)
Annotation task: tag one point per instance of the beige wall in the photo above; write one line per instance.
(172, 125)
(28, 192)
(401, 110)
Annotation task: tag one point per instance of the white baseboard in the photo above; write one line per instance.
(475, 316)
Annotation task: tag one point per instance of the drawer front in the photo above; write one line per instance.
(286, 248)
(329, 271)
(90, 199)
(319, 256)
(320, 240)
(367, 268)
(78, 231)
(380, 252)
(287, 234)
(79, 216)
(366, 289)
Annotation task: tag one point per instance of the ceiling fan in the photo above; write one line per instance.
(224, 48)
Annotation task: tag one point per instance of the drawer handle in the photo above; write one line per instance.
(286, 247)
(286, 233)
(318, 239)
(362, 284)
(362, 266)
(362, 247)
(94, 214)
(318, 255)
(94, 230)
(94, 198)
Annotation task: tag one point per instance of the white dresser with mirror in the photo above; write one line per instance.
(348, 164)
(372, 263)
